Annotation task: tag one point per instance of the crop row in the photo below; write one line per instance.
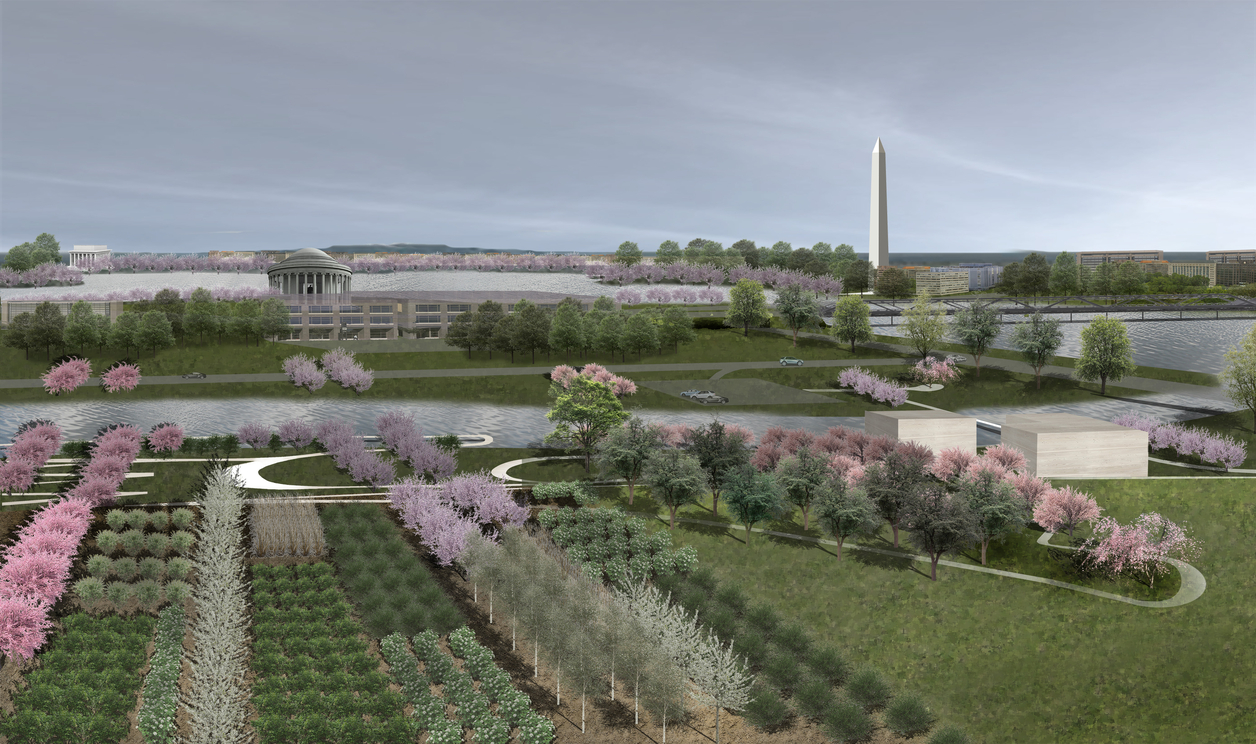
(161, 686)
(138, 519)
(133, 542)
(85, 686)
(316, 682)
(608, 545)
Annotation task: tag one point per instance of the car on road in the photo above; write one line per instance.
(691, 393)
(706, 396)
(791, 362)
(956, 358)
(194, 376)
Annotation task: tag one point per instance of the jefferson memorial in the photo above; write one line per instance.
(310, 271)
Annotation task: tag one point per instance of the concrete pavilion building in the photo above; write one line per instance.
(310, 271)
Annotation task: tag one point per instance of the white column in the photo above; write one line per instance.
(878, 230)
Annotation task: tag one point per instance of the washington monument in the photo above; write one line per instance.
(878, 225)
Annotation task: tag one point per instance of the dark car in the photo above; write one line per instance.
(194, 376)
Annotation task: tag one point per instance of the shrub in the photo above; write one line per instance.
(830, 665)
(150, 568)
(869, 688)
(732, 597)
(125, 568)
(949, 735)
(157, 543)
(794, 639)
(763, 618)
(694, 599)
(754, 648)
(781, 670)
(137, 519)
(182, 518)
(908, 715)
(814, 697)
(132, 542)
(704, 578)
(118, 592)
(89, 590)
(116, 519)
(148, 592)
(177, 591)
(178, 568)
(159, 520)
(107, 541)
(576, 490)
(847, 722)
(99, 566)
(709, 324)
(765, 710)
(182, 542)
(722, 622)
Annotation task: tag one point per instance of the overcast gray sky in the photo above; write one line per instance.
(192, 126)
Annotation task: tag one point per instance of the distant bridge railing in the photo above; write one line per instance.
(1070, 305)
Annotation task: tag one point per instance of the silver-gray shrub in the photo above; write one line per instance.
(216, 699)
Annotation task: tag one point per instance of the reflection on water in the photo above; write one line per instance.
(1197, 346)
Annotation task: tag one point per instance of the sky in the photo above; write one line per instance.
(574, 126)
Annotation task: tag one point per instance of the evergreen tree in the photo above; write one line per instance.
(1129, 278)
(458, 334)
(1105, 276)
(628, 254)
(610, 335)
(503, 338)
(483, 322)
(18, 335)
(858, 276)
(1064, 279)
(1035, 275)
(893, 282)
(748, 252)
(102, 330)
(1010, 280)
(273, 320)
(532, 328)
(47, 328)
(778, 255)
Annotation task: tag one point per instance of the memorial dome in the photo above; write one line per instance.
(310, 271)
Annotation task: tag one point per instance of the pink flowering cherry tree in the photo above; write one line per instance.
(1064, 509)
(120, 377)
(255, 435)
(165, 438)
(1143, 549)
(303, 372)
(66, 376)
(296, 433)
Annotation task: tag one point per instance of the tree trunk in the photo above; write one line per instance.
(673, 526)
(795, 344)
(1038, 378)
(629, 493)
(1103, 384)
(746, 331)
(805, 511)
(978, 362)
(933, 560)
(984, 543)
(839, 548)
(894, 526)
(715, 503)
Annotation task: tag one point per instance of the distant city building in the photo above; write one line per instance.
(1235, 273)
(942, 281)
(84, 256)
(982, 275)
(1095, 258)
(232, 254)
(1170, 268)
(377, 316)
(1230, 256)
(10, 309)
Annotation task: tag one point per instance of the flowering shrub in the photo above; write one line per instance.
(563, 375)
(35, 443)
(1221, 451)
(166, 437)
(303, 372)
(120, 377)
(254, 434)
(445, 515)
(349, 453)
(341, 367)
(399, 435)
(66, 376)
(934, 372)
(16, 476)
(866, 383)
(296, 433)
(1142, 548)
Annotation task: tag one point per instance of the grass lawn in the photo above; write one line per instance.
(229, 357)
(1151, 373)
(1012, 661)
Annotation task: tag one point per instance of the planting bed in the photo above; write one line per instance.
(127, 566)
(607, 544)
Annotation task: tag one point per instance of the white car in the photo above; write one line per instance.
(707, 396)
(956, 358)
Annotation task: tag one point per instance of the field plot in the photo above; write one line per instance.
(284, 528)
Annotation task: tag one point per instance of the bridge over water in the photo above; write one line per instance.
(1013, 309)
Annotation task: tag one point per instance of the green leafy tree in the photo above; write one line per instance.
(851, 322)
(718, 451)
(246, 320)
(803, 475)
(45, 250)
(676, 327)
(624, 450)
(747, 305)
(778, 255)
(532, 328)
(48, 327)
(125, 332)
(169, 302)
(752, 497)
(503, 338)
(1035, 275)
(800, 259)
(458, 334)
(675, 478)
(567, 330)
(712, 252)
(201, 317)
(19, 257)
(628, 254)
(610, 335)
(1105, 278)
(798, 308)
(274, 319)
(1107, 353)
(1129, 278)
(583, 413)
(997, 510)
(102, 330)
(155, 332)
(1010, 279)
(893, 483)
(1064, 280)
(1239, 375)
(858, 276)
(843, 257)
(893, 282)
(748, 252)
(693, 250)
(483, 322)
(844, 512)
(18, 336)
(80, 327)
(1037, 340)
(641, 333)
(976, 327)
(604, 304)
(1085, 280)
(941, 523)
(668, 253)
(925, 324)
